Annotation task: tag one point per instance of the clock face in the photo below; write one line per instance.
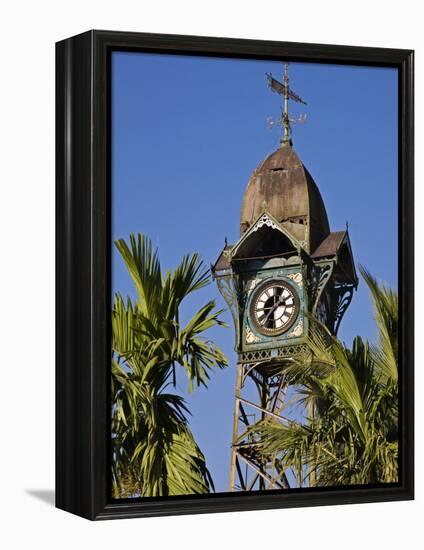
(274, 307)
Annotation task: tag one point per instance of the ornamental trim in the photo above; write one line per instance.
(250, 337)
(297, 331)
(297, 278)
(264, 220)
(252, 284)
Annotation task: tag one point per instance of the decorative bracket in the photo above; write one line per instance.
(228, 287)
(344, 295)
(320, 276)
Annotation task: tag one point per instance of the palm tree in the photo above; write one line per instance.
(153, 450)
(352, 435)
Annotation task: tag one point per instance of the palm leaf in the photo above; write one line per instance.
(154, 452)
(353, 436)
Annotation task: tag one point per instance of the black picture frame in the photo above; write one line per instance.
(83, 246)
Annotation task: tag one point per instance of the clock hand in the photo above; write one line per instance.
(281, 301)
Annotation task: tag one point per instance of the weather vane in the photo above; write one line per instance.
(283, 89)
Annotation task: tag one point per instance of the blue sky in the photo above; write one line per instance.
(187, 132)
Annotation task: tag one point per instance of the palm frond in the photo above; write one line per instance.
(144, 267)
(352, 438)
(154, 452)
(385, 302)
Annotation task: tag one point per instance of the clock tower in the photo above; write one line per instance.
(285, 267)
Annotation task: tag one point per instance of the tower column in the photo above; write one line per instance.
(236, 414)
(248, 470)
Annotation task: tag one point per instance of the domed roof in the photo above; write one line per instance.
(282, 185)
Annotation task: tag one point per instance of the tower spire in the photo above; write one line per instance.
(283, 89)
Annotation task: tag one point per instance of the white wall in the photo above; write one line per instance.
(29, 30)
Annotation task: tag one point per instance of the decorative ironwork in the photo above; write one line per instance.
(297, 278)
(250, 337)
(257, 355)
(250, 285)
(319, 277)
(283, 89)
(228, 288)
(265, 355)
(264, 220)
(343, 295)
(297, 331)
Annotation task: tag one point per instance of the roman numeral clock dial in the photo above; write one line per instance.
(274, 307)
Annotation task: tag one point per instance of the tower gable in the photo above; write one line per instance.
(265, 238)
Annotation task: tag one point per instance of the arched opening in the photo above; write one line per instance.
(266, 242)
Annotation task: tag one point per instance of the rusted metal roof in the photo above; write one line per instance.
(222, 261)
(330, 245)
(337, 245)
(282, 185)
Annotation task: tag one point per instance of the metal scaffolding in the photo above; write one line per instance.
(251, 470)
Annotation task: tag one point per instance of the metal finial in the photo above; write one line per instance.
(283, 89)
(286, 140)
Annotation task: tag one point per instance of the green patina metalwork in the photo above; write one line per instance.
(285, 244)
